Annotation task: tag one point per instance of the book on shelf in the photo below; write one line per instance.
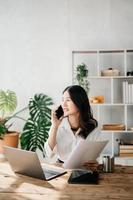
(126, 150)
(124, 91)
(126, 155)
(132, 92)
(130, 100)
(129, 146)
(127, 92)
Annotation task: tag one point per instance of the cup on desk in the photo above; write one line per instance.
(108, 163)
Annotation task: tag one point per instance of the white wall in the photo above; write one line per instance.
(101, 24)
(34, 47)
(37, 37)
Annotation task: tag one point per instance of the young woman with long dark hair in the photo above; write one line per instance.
(75, 125)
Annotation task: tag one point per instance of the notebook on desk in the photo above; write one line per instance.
(27, 163)
(83, 177)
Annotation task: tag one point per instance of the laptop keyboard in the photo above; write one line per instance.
(50, 173)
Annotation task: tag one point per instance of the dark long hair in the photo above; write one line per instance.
(80, 99)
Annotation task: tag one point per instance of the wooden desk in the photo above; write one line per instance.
(118, 185)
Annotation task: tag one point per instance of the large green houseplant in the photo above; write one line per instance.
(8, 104)
(35, 131)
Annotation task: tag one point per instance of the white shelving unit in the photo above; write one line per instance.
(113, 110)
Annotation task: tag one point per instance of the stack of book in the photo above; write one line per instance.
(126, 150)
(127, 90)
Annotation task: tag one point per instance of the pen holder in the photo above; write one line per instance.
(108, 163)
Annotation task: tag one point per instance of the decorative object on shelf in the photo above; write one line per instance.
(97, 99)
(131, 128)
(113, 127)
(110, 72)
(122, 142)
(82, 76)
(35, 131)
(8, 104)
(130, 73)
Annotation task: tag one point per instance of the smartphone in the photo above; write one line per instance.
(59, 112)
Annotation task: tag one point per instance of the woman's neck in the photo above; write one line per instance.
(74, 121)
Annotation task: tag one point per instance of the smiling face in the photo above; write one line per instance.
(68, 106)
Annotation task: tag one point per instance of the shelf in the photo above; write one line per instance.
(82, 52)
(108, 104)
(129, 50)
(116, 131)
(111, 51)
(110, 77)
(115, 109)
(104, 51)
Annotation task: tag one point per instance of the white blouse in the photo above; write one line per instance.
(66, 141)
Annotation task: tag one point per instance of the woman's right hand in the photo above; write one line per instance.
(92, 165)
(53, 130)
(54, 120)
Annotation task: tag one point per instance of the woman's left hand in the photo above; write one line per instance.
(91, 165)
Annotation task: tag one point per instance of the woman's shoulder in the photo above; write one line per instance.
(95, 134)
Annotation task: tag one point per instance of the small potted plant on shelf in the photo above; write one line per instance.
(82, 76)
(35, 131)
(8, 104)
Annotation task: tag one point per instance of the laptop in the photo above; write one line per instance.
(27, 163)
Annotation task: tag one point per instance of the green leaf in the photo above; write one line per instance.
(8, 101)
(39, 106)
(3, 130)
(35, 131)
(82, 76)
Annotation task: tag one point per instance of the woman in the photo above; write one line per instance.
(75, 125)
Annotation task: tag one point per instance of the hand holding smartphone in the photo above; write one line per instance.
(59, 112)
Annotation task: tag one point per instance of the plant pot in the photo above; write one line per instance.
(10, 139)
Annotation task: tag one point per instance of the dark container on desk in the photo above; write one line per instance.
(108, 164)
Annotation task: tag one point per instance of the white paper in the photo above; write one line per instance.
(86, 150)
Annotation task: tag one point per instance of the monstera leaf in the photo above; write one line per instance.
(35, 131)
(39, 107)
(8, 102)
